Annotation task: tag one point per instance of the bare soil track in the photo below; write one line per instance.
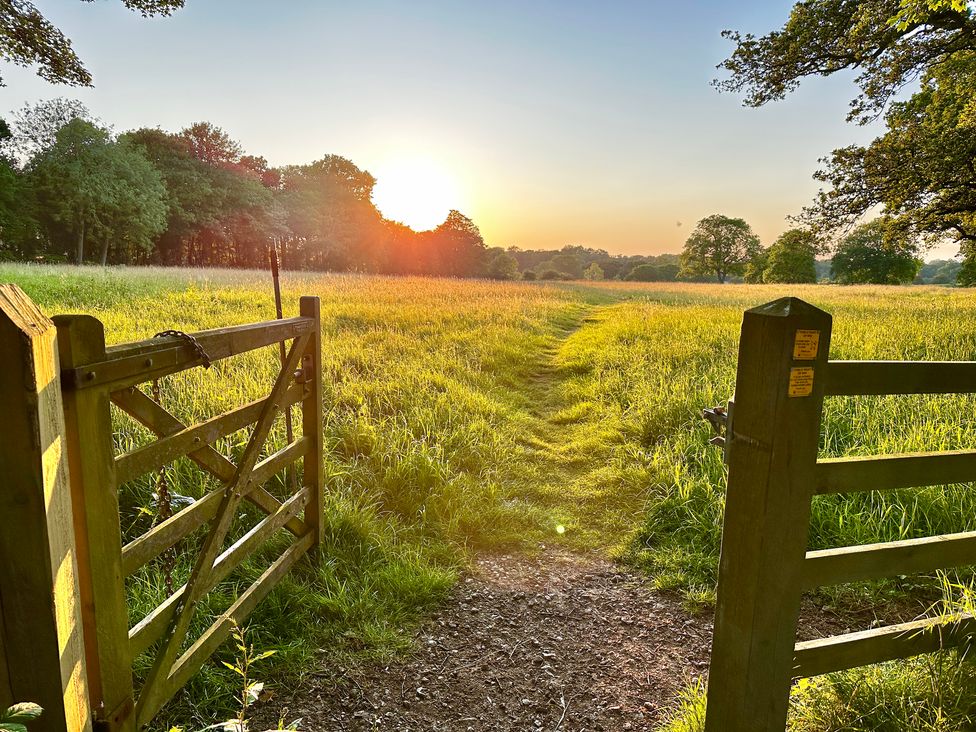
(557, 641)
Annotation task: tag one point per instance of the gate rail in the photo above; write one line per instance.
(771, 447)
(92, 377)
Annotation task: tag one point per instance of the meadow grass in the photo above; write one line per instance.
(464, 415)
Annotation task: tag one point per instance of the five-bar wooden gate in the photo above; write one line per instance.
(771, 441)
(77, 511)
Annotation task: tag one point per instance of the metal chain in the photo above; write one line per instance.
(168, 558)
(165, 509)
(203, 355)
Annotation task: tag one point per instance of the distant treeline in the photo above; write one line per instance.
(72, 190)
(574, 262)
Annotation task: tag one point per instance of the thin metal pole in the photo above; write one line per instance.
(275, 277)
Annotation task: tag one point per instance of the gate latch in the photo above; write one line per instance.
(720, 418)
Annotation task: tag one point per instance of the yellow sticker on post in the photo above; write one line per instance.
(801, 381)
(806, 343)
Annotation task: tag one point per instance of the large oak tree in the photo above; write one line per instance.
(920, 173)
(719, 246)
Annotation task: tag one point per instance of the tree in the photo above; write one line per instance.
(594, 272)
(192, 201)
(331, 219)
(792, 258)
(890, 42)
(653, 273)
(719, 245)
(967, 273)
(920, 172)
(212, 145)
(16, 211)
(503, 267)
(869, 255)
(569, 263)
(756, 268)
(27, 38)
(456, 246)
(36, 125)
(91, 187)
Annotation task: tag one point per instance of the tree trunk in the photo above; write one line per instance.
(105, 252)
(81, 243)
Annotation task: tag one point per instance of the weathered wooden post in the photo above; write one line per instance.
(41, 645)
(312, 419)
(772, 451)
(88, 422)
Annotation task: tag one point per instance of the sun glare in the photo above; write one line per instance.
(416, 192)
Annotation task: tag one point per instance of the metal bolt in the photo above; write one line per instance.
(90, 376)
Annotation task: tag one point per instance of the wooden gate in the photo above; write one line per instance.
(771, 443)
(92, 378)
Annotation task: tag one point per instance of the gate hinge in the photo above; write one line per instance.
(114, 720)
(721, 420)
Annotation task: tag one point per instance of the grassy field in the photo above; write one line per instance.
(464, 415)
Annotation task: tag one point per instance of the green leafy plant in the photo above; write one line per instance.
(15, 718)
(252, 690)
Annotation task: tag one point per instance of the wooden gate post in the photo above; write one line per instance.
(312, 420)
(41, 645)
(772, 451)
(88, 419)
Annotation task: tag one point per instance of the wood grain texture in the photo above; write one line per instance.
(42, 655)
(88, 423)
(129, 364)
(890, 472)
(864, 378)
(904, 640)
(313, 473)
(771, 455)
(874, 561)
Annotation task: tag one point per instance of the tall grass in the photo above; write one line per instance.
(463, 415)
(421, 384)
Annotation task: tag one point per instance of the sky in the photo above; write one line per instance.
(548, 123)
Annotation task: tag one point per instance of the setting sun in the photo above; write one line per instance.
(416, 192)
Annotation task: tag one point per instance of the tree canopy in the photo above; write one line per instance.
(868, 256)
(889, 42)
(791, 258)
(920, 173)
(90, 187)
(28, 38)
(719, 246)
(70, 189)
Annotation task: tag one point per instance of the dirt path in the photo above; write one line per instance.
(557, 641)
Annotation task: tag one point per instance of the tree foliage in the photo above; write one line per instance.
(719, 246)
(920, 173)
(92, 188)
(792, 258)
(887, 41)
(503, 267)
(868, 255)
(28, 38)
(593, 273)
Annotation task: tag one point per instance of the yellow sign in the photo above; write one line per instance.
(805, 345)
(801, 381)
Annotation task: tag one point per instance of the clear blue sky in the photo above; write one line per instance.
(561, 122)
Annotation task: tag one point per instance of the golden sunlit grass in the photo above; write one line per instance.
(462, 415)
